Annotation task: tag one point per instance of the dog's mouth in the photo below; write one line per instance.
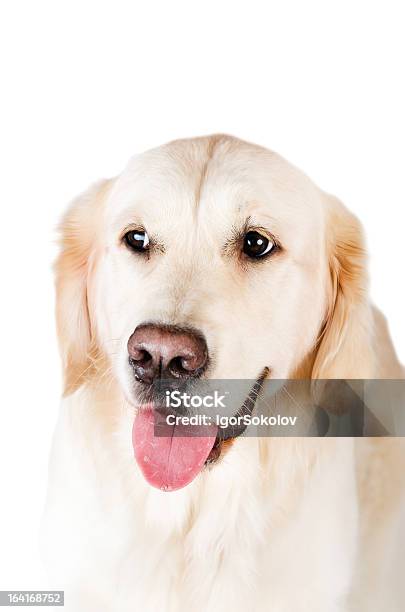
(171, 454)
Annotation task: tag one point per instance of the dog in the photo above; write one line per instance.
(215, 259)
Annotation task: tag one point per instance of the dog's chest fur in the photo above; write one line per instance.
(237, 538)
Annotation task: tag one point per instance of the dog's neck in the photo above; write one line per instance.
(107, 416)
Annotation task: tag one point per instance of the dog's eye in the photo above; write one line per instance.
(256, 245)
(137, 240)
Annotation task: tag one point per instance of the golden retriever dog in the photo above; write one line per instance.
(215, 259)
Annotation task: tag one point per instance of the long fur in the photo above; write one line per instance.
(279, 524)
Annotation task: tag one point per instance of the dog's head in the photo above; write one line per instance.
(210, 258)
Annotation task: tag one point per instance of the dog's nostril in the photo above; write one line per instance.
(178, 367)
(141, 357)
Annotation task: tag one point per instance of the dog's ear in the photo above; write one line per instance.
(79, 230)
(345, 346)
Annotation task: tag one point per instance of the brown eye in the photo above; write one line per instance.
(256, 245)
(137, 240)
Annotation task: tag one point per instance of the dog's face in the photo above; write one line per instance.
(229, 243)
(209, 258)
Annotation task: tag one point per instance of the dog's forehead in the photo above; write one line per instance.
(198, 179)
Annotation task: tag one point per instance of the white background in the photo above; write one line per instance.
(87, 84)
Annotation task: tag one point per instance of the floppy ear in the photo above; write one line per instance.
(345, 347)
(78, 230)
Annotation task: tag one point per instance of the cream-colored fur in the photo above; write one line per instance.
(279, 524)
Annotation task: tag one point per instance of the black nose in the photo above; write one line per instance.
(166, 351)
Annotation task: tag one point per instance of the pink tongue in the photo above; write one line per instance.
(171, 461)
